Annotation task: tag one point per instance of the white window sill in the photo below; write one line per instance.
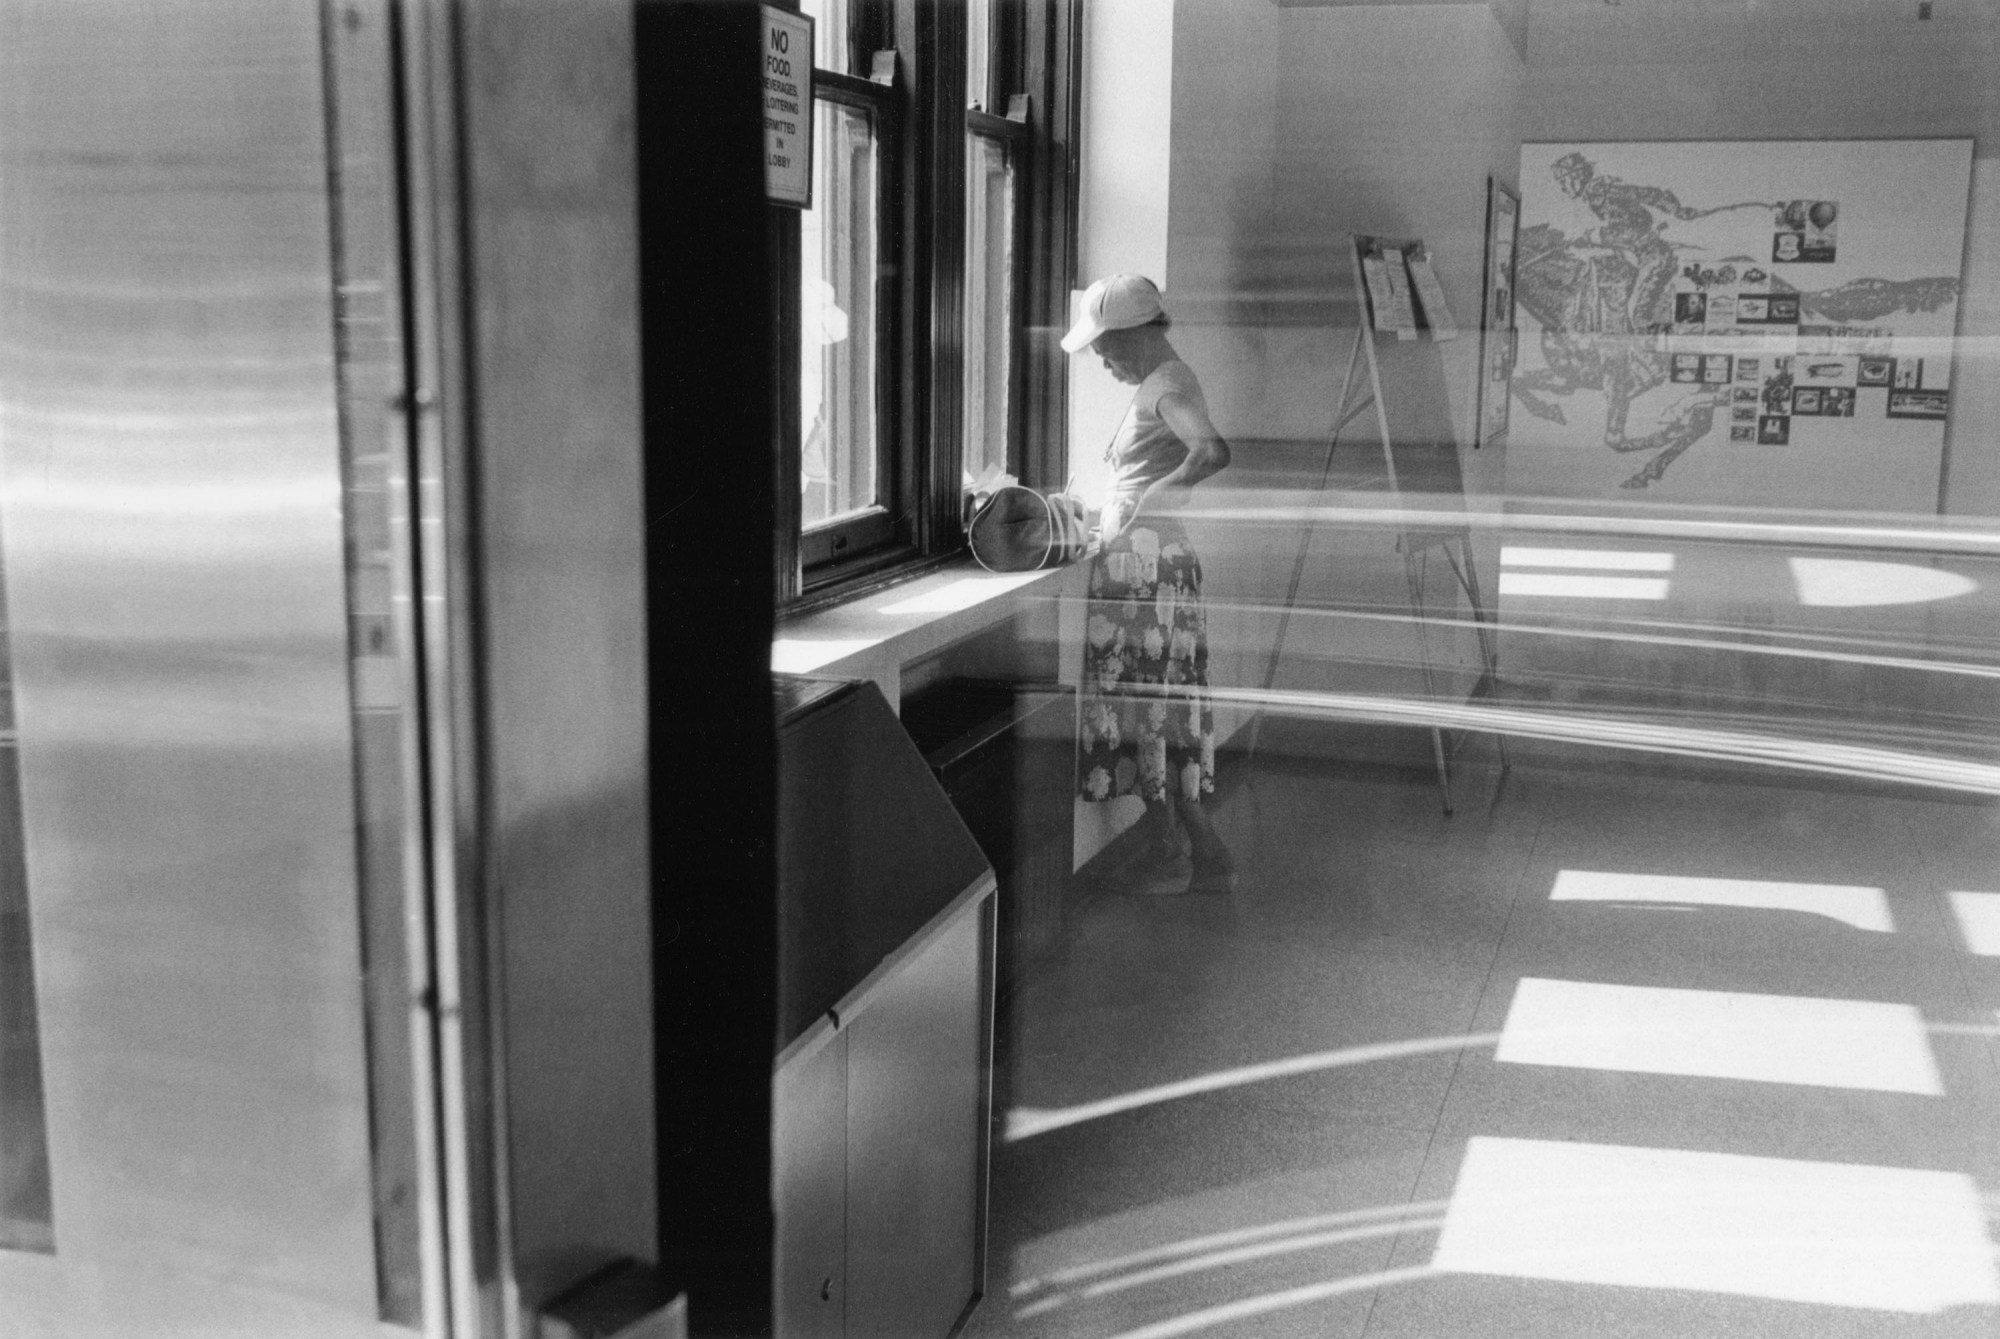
(878, 635)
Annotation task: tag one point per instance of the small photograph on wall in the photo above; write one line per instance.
(1829, 371)
(1743, 413)
(1823, 252)
(1919, 404)
(1805, 400)
(1778, 394)
(1806, 232)
(1744, 394)
(1767, 309)
(1687, 368)
(1875, 371)
(1716, 369)
(1907, 375)
(1743, 432)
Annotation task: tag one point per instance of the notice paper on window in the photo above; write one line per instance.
(1431, 294)
(1402, 311)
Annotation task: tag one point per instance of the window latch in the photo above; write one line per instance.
(883, 69)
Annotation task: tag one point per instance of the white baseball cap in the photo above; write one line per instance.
(1117, 303)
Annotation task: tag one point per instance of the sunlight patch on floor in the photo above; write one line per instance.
(1602, 560)
(1834, 1234)
(1979, 921)
(1849, 583)
(1563, 585)
(1720, 1034)
(1862, 908)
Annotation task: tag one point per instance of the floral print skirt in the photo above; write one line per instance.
(1147, 720)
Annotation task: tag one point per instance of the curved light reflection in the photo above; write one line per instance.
(1310, 1241)
(1027, 1122)
(1831, 656)
(1813, 533)
(1645, 736)
(1210, 1317)
(1215, 1241)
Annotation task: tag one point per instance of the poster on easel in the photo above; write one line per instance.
(1765, 323)
(1405, 374)
(1395, 376)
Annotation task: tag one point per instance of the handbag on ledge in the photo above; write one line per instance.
(1021, 529)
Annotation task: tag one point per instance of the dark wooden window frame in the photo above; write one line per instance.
(875, 530)
(915, 52)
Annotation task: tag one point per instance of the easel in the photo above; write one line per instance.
(1424, 431)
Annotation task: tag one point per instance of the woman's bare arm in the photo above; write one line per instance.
(1208, 453)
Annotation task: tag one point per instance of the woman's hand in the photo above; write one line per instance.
(1113, 522)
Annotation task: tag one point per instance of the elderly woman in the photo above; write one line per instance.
(1148, 727)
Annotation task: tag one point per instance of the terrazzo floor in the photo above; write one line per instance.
(1612, 1051)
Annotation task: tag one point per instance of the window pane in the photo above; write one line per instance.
(837, 312)
(978, 36)
(830, 29)
(989, 305)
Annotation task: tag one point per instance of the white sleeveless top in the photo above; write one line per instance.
(1145, 449)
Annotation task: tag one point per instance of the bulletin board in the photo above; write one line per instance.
(1765, 323)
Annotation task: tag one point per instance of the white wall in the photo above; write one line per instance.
(1391, 119)
(1225, 114)
(1294, 127)
(1125, 171)
(1125, 162)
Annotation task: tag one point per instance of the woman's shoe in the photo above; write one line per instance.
(1214, 872)
(1170, 880)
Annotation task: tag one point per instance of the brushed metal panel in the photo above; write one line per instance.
(170, 516)
(916, 1056)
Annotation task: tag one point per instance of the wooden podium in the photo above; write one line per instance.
(1404, 385)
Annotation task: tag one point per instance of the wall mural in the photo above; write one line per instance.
(1764, 323)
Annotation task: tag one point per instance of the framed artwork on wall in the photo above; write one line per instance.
(1496, 321)
(1656, 281)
